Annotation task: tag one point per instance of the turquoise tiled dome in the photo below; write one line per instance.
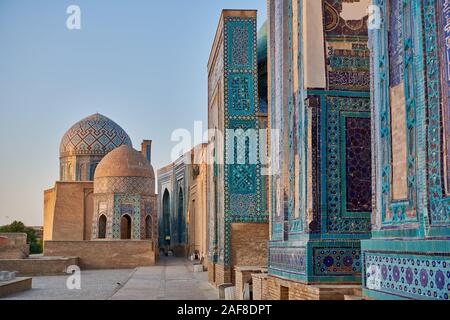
(94, 135)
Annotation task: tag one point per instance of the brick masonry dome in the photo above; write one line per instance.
(124, 162)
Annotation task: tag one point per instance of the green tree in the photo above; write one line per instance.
(19, 227)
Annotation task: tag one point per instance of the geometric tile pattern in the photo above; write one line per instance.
(409, 276)
(358, 165)
(94, 135)
(241, 94)
(130, 185)
(437, 106)
(321, 199)
(131, 205)
(292, 259)
(337, 261)
(408, 256)
(339, 221)
(242, 179)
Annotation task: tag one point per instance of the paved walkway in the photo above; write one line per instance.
(171, 279)
(95, 285)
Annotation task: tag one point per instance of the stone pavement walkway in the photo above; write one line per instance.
(95, 285)
(171, 279)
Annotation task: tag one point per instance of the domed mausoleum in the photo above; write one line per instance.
(85, 144)
(106, 223)
(124, 196)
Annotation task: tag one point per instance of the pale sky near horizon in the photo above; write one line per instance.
(141, 63)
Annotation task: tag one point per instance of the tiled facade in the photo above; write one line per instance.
(172, 206)
(362, 191)
(236, 188)
(182, 204)
(408, 255)
(321, 180)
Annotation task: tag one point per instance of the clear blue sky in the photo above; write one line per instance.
(141, 63)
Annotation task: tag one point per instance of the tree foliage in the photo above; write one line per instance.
(19, 227)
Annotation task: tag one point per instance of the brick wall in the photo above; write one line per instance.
(38, 267)
(243, 275)
(278, 288)
(14, 246)
(68, 211)
(218, 274)
(104, 254)
(211, 272)
(259, 286)
(249, 244)
(248, 248)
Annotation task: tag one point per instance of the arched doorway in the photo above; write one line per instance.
(125, 227)
(166, 217)
(180, 217)
(102, 227)
(148, 227)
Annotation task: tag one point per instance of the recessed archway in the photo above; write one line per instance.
(102, 227)
(166, 217)
(125, 227)
(180, 217)
(148, 227)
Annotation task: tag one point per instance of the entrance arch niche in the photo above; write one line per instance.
(148, 227)
(180, 216)
(166, 217)
(125, 227)
(102, 227)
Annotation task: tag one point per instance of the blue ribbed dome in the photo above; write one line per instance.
(94, 135)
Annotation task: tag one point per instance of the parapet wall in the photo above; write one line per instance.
(13, 246)
(40, 266)
(123, 254)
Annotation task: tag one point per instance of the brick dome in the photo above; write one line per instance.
(124, 161)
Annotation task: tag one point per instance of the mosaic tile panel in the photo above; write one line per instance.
(241, 95)
(336, 261)
(408, 276)
(131, 205)
(358, 165)
(335, 25)
(439, 202)
(133, 185)
(338, 219)
(444, 42)
(240, 42)
(396, 45)
(242, 180)
(348, 69)
(292, 259)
